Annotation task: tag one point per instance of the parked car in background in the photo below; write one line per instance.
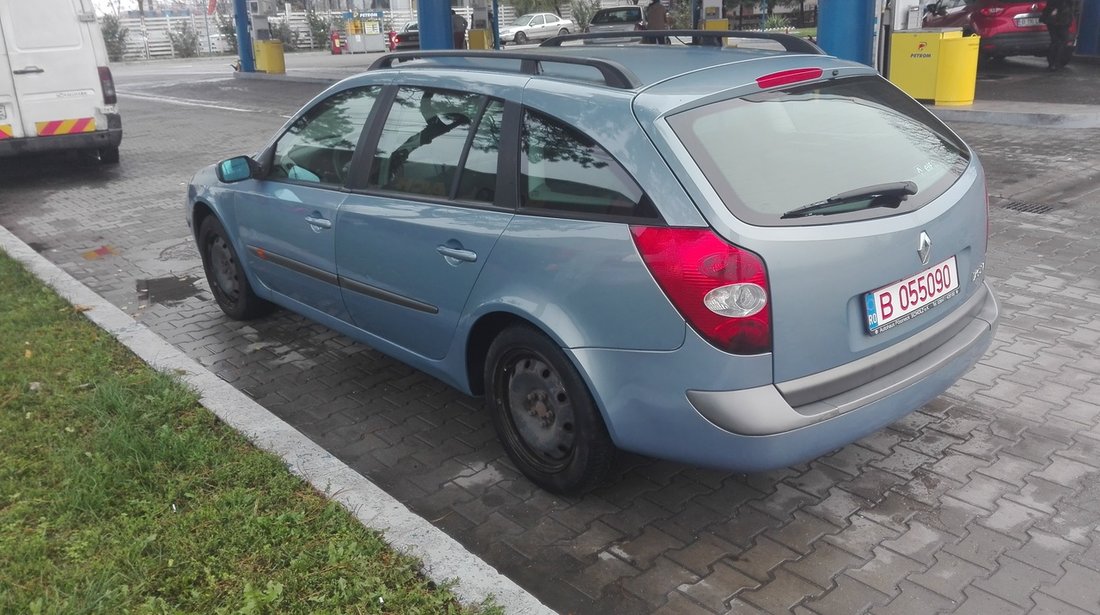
(535, 27)
(1007, 28)
(56, 88)
(407, 38)
(566, 236)
(617, 19)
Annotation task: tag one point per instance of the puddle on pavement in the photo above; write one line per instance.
(168, 291)
(38, 246)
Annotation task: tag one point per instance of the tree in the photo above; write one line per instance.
(114, 36)
(228, 30)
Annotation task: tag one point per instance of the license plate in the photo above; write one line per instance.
(1027, 21)
(893, 304)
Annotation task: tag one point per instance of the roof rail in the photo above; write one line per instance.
(789, 42)
(615, 75)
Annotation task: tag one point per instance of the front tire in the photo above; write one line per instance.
(521, 38)
(224, 274)
(544, 415)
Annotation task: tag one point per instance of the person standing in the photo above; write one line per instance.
(458, 28)
(656, 17)
(1058, 17)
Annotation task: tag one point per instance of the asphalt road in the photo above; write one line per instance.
(984, 501)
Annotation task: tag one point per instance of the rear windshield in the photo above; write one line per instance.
(773, 152)
(625, 15)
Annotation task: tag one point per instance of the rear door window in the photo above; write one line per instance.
(563, 170)
(770, 153)
(618, 16)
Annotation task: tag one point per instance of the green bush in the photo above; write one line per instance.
(281, 31)
(114, 36)
(583, 11)
(185, 40)
(319, 27)
(776, 22)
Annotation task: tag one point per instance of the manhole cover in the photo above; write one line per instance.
(183, 251)
(1028, 208)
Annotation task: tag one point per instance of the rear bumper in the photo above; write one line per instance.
(756, 428)
(1016, 44)
(85, 140)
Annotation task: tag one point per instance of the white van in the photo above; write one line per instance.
(56, 90)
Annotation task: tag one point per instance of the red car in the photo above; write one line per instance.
(1007, 28)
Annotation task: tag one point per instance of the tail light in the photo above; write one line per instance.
(721, 290)
(787, 77)
(107, 82)
(990, 11)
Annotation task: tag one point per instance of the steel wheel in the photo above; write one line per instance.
(543, 413)
(540, 409)
(225, 274)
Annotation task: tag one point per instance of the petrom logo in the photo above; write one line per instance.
(921, 53)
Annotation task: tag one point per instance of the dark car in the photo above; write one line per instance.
(407, 38)
(1007, 28)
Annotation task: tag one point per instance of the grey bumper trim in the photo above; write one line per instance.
(764, 411)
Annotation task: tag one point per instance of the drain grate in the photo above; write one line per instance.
(1028, 208)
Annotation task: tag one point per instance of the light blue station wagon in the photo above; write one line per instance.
(724, 256)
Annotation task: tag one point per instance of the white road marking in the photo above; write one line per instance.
(172, 100)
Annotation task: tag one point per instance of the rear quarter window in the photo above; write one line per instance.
(769, 153)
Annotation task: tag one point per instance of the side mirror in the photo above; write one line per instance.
(236, 169)
(931, 8)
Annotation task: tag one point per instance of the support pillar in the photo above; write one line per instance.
(434, 19)
(845, 28)
(1088, 34)
(244, 37)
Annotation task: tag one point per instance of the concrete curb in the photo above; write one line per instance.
(1018, 118)
(443, 557)
(292, 78)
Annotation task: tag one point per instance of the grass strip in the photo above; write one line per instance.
(119, 493)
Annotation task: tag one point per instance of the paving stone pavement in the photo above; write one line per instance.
(984, 501)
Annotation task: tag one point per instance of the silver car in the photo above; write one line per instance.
(617, 19)
(534, 27)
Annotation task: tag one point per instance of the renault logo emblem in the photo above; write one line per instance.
(924, 248)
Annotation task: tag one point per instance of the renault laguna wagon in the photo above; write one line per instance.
(728, 257)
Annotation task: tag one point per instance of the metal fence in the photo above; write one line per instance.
(148, 38)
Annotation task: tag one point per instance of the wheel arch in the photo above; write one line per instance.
(484, 330)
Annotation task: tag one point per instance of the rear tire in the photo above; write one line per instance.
(563, 31)
(109, 155)
(543, 413)
(226, 277)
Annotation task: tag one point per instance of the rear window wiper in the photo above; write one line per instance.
(900, 190)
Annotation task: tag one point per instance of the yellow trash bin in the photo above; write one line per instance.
(935, 65)
(958, 71)
(480, 39)
(269, 57)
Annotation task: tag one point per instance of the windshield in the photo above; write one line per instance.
(774, 152)
(523, 20)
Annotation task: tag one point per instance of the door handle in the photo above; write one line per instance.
(319, 222)
(457, 254)
(27, 71)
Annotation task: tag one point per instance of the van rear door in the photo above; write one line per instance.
(10, 125)
(53, 67)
